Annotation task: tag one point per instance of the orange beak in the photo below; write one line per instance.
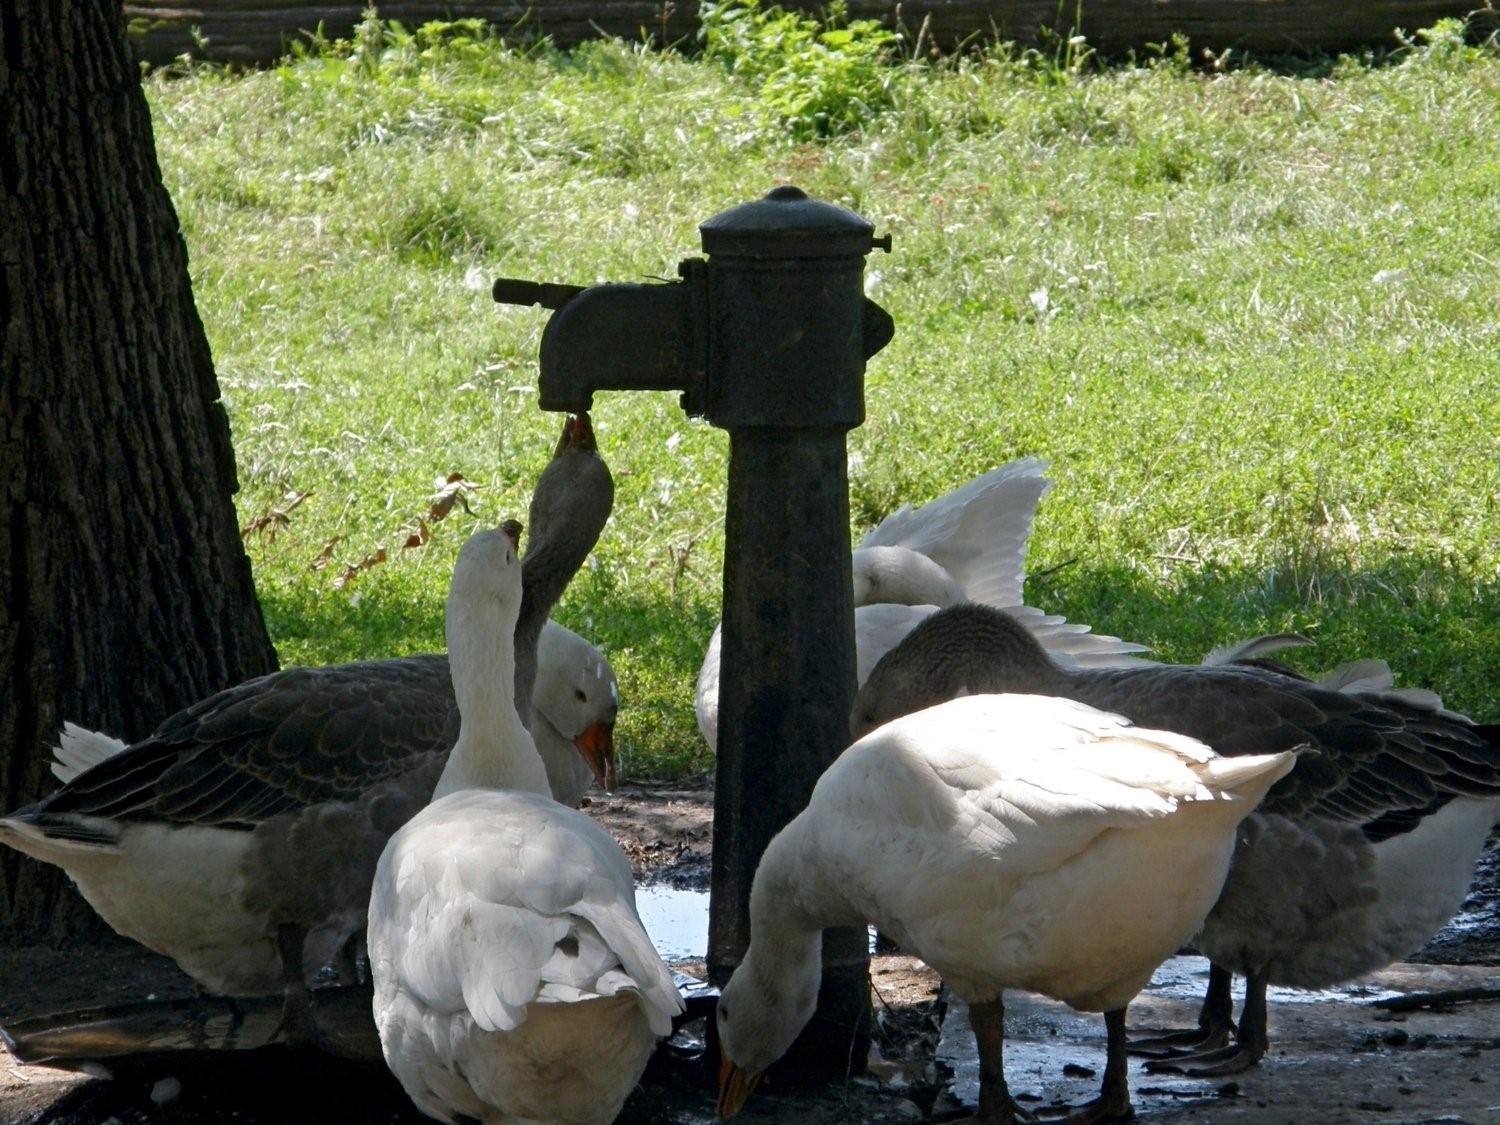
(597, 745)
(735, 1085)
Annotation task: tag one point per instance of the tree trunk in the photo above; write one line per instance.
(260, 31)
(125, 592)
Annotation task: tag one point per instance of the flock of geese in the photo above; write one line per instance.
(1028, 805)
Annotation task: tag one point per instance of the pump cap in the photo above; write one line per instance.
(787, 224)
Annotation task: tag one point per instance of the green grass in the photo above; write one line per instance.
(1251, 317)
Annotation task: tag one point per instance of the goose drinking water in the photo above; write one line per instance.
(1010, 841)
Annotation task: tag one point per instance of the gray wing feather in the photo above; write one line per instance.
(1374, 753)
(275, 744)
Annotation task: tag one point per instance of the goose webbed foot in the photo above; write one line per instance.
(1113, 1102)
(1215, 1025)
(1179, 1044)
(1252, 1042)
(1004, 1111)
(1099, 1110)
(1234, 1059)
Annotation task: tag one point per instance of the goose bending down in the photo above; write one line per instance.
(1010, 841)
(240, 838)
(1355, 859)
(969, 545)
(513, 978)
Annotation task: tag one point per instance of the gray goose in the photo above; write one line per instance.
(1353, 860)
(241, 837)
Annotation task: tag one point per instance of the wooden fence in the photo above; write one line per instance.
(258, 31)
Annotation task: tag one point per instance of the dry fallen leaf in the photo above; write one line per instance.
(419, 537)
(451, 493)
(325, 556)
(274, 519)
(352, 570)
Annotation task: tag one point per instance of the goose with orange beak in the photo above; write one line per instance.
(573, 709)
(1010, 841)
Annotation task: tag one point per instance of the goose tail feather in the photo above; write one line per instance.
(78, 750)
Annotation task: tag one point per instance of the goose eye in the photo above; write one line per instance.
(578, 695)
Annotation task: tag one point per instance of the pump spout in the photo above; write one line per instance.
(624, 338)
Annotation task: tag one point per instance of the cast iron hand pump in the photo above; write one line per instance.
(766, 338)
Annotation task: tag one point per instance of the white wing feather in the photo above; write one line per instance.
(978, 533)
(1020, 761)
(477, 898)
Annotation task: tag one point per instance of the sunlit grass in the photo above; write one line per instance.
(1251, 317)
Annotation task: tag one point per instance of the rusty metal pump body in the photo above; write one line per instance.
(767, 339)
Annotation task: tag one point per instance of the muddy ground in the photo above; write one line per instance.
(1335, 1058)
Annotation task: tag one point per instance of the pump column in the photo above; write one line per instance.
(789, 331)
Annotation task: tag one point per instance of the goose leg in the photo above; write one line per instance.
(353, 962)
(297, 1027)
(996, 1106)
(1113, 1102)
(1215, 1022)
(1251, 1042)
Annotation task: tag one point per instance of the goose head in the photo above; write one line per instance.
(485, 595)
(966, 649)
(577, 693)
(759, 1014)
(901, 575)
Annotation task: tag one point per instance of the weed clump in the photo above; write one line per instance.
(817, 78)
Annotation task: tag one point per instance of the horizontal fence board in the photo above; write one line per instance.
(259, 31)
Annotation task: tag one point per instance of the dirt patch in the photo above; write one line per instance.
(665, 830)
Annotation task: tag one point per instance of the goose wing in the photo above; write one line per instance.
(488, 901)
(977, 533)
(1035, 777)
(1374, 753)
(273, 744)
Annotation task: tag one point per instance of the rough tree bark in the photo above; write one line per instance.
(125, 592)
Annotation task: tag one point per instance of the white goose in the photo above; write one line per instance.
(513, 978)
(1010, 841)
(969, 545)
(239, 838)
(1356, 859)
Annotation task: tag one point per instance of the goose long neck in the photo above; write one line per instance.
(981, 649)
(568, 511)
(545, 574)
(792, 900)
(494, 750)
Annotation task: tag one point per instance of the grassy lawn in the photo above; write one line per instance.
(1252, 317)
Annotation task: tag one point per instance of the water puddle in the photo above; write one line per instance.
(676, 919)
(1185, 978)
